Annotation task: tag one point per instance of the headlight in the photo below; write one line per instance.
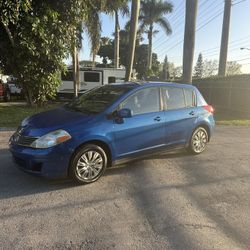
(51, 139)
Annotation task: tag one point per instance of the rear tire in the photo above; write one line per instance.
(198, 141)
(88, 164)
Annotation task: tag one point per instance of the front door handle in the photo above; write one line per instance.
(158, 118)
(191, 113)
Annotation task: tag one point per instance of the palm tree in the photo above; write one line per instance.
(135, 8)
(115, 8)
(105, 40)
(152, 12)
(189, 39)
(92, 26)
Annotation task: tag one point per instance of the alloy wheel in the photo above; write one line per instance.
(199, 140)
(89, 165)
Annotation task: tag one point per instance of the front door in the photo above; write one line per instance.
(145, 130)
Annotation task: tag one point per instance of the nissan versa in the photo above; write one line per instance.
(109, 125)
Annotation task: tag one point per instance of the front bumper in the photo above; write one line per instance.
(51, 162)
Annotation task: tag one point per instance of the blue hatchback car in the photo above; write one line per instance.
(109, 125)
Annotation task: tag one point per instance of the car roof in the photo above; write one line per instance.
(143, 84)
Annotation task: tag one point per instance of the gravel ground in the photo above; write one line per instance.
(172, 201)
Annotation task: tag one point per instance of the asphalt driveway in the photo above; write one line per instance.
(173, 201)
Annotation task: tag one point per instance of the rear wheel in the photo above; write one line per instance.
(198, 141)
(88, 164)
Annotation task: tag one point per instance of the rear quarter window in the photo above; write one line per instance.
(200, 99)
(190, 98)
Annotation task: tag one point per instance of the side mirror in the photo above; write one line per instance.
(124, 113)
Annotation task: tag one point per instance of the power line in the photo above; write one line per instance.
(209, 21)
(244, 59)
(164, 41)
(175, 20)
(239, 2)
(196, 30)
(232, 42)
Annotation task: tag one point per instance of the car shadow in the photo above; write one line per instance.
(14, 182)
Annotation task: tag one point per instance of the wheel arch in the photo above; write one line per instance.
(99, 143)
(206, 127)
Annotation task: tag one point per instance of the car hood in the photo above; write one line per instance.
(45, 122)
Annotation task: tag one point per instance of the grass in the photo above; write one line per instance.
(222, 119)
(11, 116)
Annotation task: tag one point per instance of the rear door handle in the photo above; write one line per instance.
(191, 113)
(158, 118)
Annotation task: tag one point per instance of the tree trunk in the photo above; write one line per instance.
(189, 39)
(9, 34)
(27, 93)
(132, 37)
(74, 69)
(117, 41)
(224, 38)
(77, 72)
(150, 37)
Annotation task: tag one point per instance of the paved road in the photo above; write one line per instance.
(173, 201)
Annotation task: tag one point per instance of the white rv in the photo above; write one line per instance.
(90, 78)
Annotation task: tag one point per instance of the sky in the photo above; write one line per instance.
(208, 35)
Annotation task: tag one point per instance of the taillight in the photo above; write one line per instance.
(209, 108)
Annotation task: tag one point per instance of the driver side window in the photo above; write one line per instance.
(143, 101)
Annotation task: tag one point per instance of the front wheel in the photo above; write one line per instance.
(88, 164)
(198, 141)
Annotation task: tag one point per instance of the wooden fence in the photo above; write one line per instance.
(227, 94)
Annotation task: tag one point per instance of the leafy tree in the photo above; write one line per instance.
(140, 61)
(210, 68)
(152, 13)
(177, 72)
(233, 68)
(198, 69)
(34, 41)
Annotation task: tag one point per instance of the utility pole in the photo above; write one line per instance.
(224, 38)
(189, 39)
(135, 7)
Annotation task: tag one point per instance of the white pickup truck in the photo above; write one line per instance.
(90, 78)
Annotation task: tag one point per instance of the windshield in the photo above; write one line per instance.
(98, 99)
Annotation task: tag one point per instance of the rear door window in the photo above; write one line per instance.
(173, 98)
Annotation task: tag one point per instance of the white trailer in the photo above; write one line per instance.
(89, 79)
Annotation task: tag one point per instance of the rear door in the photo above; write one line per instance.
(180, 114)
(145, 130)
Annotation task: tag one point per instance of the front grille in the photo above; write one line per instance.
(23, 140)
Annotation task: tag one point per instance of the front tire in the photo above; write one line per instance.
(88, 164)
(198, 141)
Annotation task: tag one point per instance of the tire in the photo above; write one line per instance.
(7, 96)
(198, 141)
(88, 164)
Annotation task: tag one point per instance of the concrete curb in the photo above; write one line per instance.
(3, 129)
